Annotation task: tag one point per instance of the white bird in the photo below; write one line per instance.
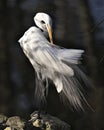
(53, 63)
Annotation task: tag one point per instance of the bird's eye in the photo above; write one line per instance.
(42, 22)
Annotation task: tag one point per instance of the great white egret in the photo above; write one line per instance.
(53, 62)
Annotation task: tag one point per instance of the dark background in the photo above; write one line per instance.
(73, 27)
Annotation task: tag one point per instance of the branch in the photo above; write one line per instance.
(38, 121)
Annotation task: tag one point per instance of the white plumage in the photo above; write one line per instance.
(53, 62)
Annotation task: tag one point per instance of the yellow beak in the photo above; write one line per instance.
(50, 33)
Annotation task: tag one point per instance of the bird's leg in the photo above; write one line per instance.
(46, 87)
(39, 111)
(42, 90)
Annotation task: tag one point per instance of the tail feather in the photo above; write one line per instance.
(71, 90)
(70, 93)
(80, 75)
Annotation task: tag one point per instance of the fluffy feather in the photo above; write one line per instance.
(55, 63)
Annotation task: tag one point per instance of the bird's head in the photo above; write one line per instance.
(44, 22)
